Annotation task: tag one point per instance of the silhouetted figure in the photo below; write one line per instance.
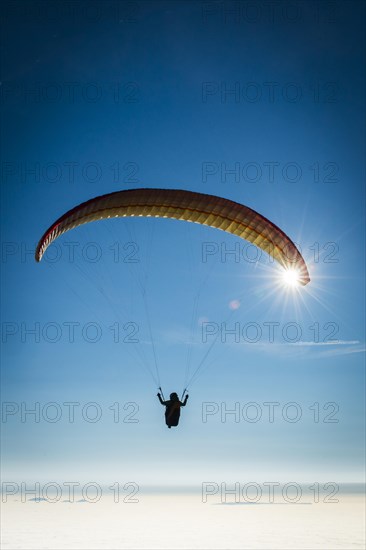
(172, 411)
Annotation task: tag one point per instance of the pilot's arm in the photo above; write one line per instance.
(185, 401)
(160, 399)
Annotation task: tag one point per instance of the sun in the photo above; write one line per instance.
(291, 278)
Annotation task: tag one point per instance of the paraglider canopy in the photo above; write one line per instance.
(189, 206)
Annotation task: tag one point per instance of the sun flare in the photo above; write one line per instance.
(291, 278)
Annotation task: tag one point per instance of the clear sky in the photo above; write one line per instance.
(261, 103)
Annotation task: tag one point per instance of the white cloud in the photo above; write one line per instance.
(328, 343)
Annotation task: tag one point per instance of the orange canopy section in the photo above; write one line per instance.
(188, 206)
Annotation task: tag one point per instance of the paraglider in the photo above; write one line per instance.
(189, 206)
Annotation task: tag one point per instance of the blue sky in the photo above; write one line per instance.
(298, 109)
